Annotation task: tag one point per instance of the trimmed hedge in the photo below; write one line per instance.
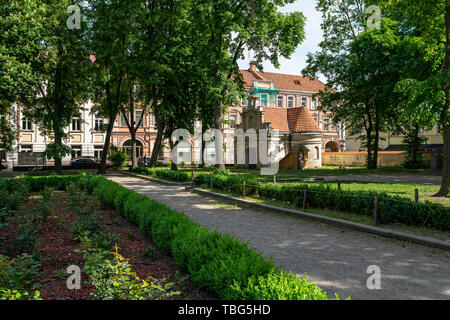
(390, 208)
(38, 183)
(216, 262)
(162, 173)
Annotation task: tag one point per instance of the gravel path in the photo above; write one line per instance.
(336, 259)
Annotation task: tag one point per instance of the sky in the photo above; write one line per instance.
(313, 37)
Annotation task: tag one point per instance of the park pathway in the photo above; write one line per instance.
(336, 259)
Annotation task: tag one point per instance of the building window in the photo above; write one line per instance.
(76, 124)
(98, 123)
(305, 102)
(244, 101)
(138, 117)
(233, 121)
(438, 129)
(27, 124)
(280, 101)
(123, 121)
(316, 153)
(326, 124)
(264, 99)
(314, 104)
(26, 148)
(98, 151)
(76, 151)
(290, 102)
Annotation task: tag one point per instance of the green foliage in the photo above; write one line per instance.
(117, 157)
(114, 280)
(390, 208)
(8, 294)
(162, 173)
(19, 273)
(215, 262)
(57, 151)
(278, 285)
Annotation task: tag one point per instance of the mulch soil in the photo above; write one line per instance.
(57, 246)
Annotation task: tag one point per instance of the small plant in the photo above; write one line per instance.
(117, 157)
(149, 253)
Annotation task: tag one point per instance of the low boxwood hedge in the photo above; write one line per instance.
(218, 263)
(390, 208)
(162, 173)
(38, 183)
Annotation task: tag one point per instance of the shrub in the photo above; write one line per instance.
(117, 157)
(162, 173)
(390, 208)
(215, 262)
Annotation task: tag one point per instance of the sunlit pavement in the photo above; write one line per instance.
(336, 259)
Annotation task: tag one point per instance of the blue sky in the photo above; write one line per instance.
(310, 44)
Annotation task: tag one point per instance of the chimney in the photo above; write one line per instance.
(252, 67)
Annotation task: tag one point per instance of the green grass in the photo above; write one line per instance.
(421, 231)
(333, 170)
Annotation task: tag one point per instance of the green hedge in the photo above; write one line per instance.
(162, 173)
(38, 183)
(217, 263)
(390, 208)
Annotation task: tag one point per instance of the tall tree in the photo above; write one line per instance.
(62, 72)
(21, 29)
(427, 98)
(111, 27)
(230, 27)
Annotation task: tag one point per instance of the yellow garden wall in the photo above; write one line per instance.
(358, 159)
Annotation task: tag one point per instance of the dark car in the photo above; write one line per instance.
(3, 165)
(86, 162)
(144, 161)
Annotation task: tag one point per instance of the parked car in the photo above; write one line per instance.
(3, 165)
(85, 162)
(144, 161)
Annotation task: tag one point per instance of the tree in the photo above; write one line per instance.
(363, 65)
(21, 28)
(230, 27)
(111, 26)
(62, 72)
(428, 97)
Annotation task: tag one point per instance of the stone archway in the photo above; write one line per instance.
(128, 147)
(332, 146)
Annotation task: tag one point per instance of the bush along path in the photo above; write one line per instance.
(336, 259)
(51, 232)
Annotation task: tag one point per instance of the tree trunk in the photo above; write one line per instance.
(218, 144)
(133, 151)
(445, 122)
(415, 146)
(376, 139)
(58, 142)
(173, 165)
(101, 170)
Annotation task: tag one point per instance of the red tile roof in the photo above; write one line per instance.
(300, 120)
(277, 117)
(284, 82)
(295, 120)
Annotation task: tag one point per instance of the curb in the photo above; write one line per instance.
(167, 183)
(335, 222)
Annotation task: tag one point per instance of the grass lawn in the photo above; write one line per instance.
(421, 231)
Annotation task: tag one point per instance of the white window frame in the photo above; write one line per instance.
(233, 123)
(98, 122)
(326, 123)
(266, 104)
(26, 148)
(293, 101)
(28, 124)
(314, 103)
(306, 101)
(280, 98)
(77, 151)
(78, 124)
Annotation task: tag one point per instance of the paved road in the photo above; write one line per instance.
(337, 260)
